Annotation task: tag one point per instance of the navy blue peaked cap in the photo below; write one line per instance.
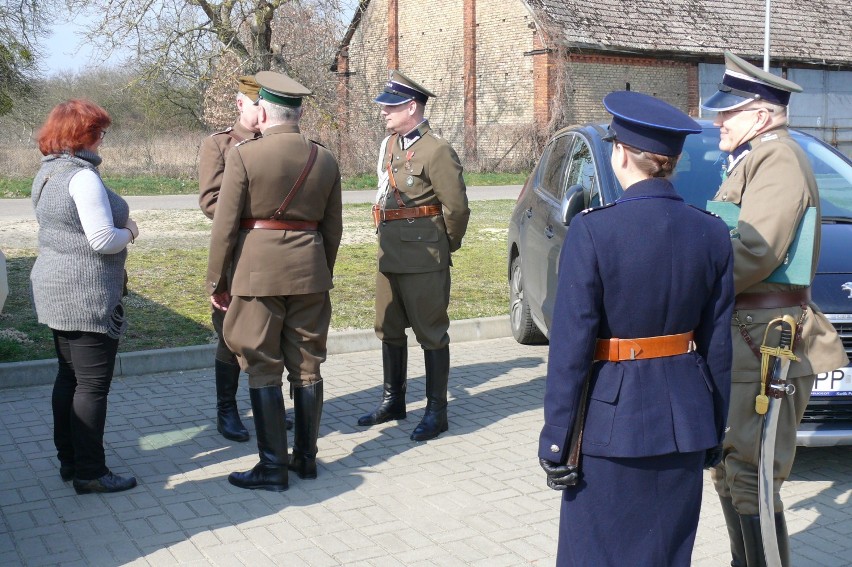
(743, 83)
(400, 89)
(647, 123)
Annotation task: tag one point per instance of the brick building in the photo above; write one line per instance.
(508, 72)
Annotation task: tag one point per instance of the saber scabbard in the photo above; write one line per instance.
(773, 387)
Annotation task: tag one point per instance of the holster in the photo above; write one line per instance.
(377, 215)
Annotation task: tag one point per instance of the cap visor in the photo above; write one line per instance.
(724, 101)
(390, 99)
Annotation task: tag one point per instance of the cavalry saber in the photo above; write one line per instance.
(776, 388)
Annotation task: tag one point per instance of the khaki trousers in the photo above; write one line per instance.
(736, 475)
(271, 334)
(419, 301)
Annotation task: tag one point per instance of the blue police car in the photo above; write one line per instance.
(573, 173)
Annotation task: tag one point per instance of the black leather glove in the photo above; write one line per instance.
(559, 477)
(712, 456)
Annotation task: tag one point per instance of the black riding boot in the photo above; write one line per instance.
(434, 421)
(395, 366)
(228, 421)
(270, 473)
(783, 539)
(755, 555)
(307, 405)
(735, 532)
(752, 541)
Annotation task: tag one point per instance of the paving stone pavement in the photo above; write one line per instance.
(473, 497)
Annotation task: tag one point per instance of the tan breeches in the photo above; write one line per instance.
(271, 334)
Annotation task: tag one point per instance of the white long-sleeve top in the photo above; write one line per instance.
(90, 197)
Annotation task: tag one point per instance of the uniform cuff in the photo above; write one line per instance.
(553, 443)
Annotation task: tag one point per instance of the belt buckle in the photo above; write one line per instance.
(628, 346)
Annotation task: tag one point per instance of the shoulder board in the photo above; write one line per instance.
(317, 143)
(435, 135)
(602, 207)
(769, 136)
(246, 141)
(225, 131)
(705, 211)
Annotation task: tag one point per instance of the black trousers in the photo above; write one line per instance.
(86, 365)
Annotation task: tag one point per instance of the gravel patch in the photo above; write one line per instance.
(160, 229)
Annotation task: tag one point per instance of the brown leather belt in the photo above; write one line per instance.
(773, 299)
(410, 212)
(615, 350)
(272, 224)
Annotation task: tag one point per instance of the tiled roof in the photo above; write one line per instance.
(808, 31)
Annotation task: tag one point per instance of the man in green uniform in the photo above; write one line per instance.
(421, 215)
(277, 230)
(211, 166)
(769, 177)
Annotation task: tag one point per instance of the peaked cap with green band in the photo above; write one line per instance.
(278, 88)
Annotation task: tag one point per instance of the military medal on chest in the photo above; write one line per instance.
(410, 180)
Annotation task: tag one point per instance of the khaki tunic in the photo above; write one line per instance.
(427, 173)
(773, 185)
(211, 167)
(276, 263)
(211, 163)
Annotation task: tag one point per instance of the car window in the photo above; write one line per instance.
(833, 176)
(553, 171)
(698, 174)
(582, 172)
(542, 163)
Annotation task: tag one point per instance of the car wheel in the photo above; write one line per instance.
(524, 328)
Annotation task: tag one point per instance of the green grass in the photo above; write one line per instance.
(470, 178)
(495, 178)
(168, 307)
(151, 185)
(359, 182)
(15, 188)
(20, 188)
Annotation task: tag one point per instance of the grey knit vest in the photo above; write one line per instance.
(74, 287)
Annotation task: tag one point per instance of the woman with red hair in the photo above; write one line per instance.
(78, 285)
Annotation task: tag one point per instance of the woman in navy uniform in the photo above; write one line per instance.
(643, 308)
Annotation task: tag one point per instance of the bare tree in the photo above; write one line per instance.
(180, 47)
(22, 24)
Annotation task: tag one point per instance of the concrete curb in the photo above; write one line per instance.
(140, 363)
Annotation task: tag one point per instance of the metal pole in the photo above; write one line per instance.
(766, 38)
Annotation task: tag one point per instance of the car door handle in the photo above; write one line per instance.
(529, 213)
(548, 231)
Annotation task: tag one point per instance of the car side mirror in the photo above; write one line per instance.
(574, 202)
